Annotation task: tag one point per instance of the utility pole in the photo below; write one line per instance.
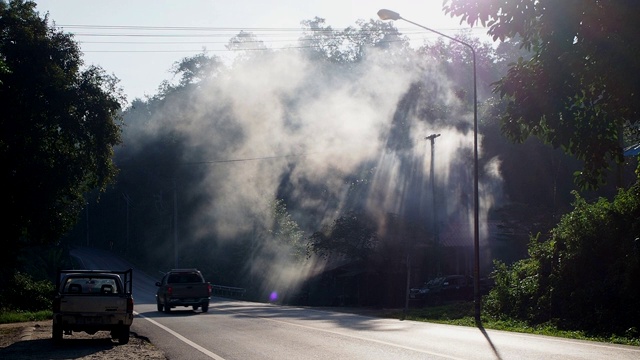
(127, 200)
(436, 235)
(175, 225)
(87, 223)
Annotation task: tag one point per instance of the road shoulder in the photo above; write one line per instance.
(30, 340)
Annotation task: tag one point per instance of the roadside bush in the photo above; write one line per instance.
(584, 276)
(519, 291)
(23, 293)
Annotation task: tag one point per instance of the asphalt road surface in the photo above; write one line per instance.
(245, 330)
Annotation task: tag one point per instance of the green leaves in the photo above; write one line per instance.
(58, 129)
(589, 265)
(350, 235)
(24, 293)
(581, 87)
(286, 231)
(349, 45)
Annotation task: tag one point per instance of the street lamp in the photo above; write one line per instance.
(385, 14)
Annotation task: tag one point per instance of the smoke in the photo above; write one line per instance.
(283, 117)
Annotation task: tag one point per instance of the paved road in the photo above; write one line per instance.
(246, 330)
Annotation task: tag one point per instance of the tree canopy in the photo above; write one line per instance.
(59, 125)
(352, 236)
(580, 89)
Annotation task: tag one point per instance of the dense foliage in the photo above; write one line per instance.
(580, 89)
(585, 275)
(24, 293)
(59, 125)
(351, 235)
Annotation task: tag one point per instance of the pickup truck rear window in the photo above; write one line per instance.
(90, 285)
(184, 278)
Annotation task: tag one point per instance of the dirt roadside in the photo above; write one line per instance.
(32, 340)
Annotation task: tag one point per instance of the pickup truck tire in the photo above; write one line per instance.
(56, 333)
(160, 307)
(205, 307)
(123, 335)
(167, 308)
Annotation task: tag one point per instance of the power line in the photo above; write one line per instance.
(223, 32)
(244, 159)
(232, 29)
(262, 36)
(179, 28)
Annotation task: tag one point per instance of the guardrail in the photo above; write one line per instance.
(227, 291)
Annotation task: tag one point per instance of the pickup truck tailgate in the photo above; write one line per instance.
(198, 290)
(93, 304)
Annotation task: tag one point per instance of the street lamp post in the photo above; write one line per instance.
(385, 14)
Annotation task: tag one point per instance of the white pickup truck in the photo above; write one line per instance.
(92, 301)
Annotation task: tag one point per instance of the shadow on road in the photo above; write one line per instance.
(70, 348)
(486, 336)
(174, 312)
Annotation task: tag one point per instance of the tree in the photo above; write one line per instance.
(58, 128)
(196, 68)
(245, 41)
(351, 235)
(286, 231)
(581, 87)
(3, 67)
(190, 71)
(349, 45)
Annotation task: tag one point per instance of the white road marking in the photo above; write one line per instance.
(180, 337)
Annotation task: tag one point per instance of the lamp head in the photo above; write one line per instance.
(385, 14)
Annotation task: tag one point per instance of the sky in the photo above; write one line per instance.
(143, 53)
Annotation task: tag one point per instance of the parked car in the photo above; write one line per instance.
(92, 301)
(445, 288)
(420, 293)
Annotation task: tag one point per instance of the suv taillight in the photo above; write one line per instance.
(169, 291)
(209, 289)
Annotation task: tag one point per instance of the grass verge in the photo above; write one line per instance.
(462, 313)
(7, 317)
